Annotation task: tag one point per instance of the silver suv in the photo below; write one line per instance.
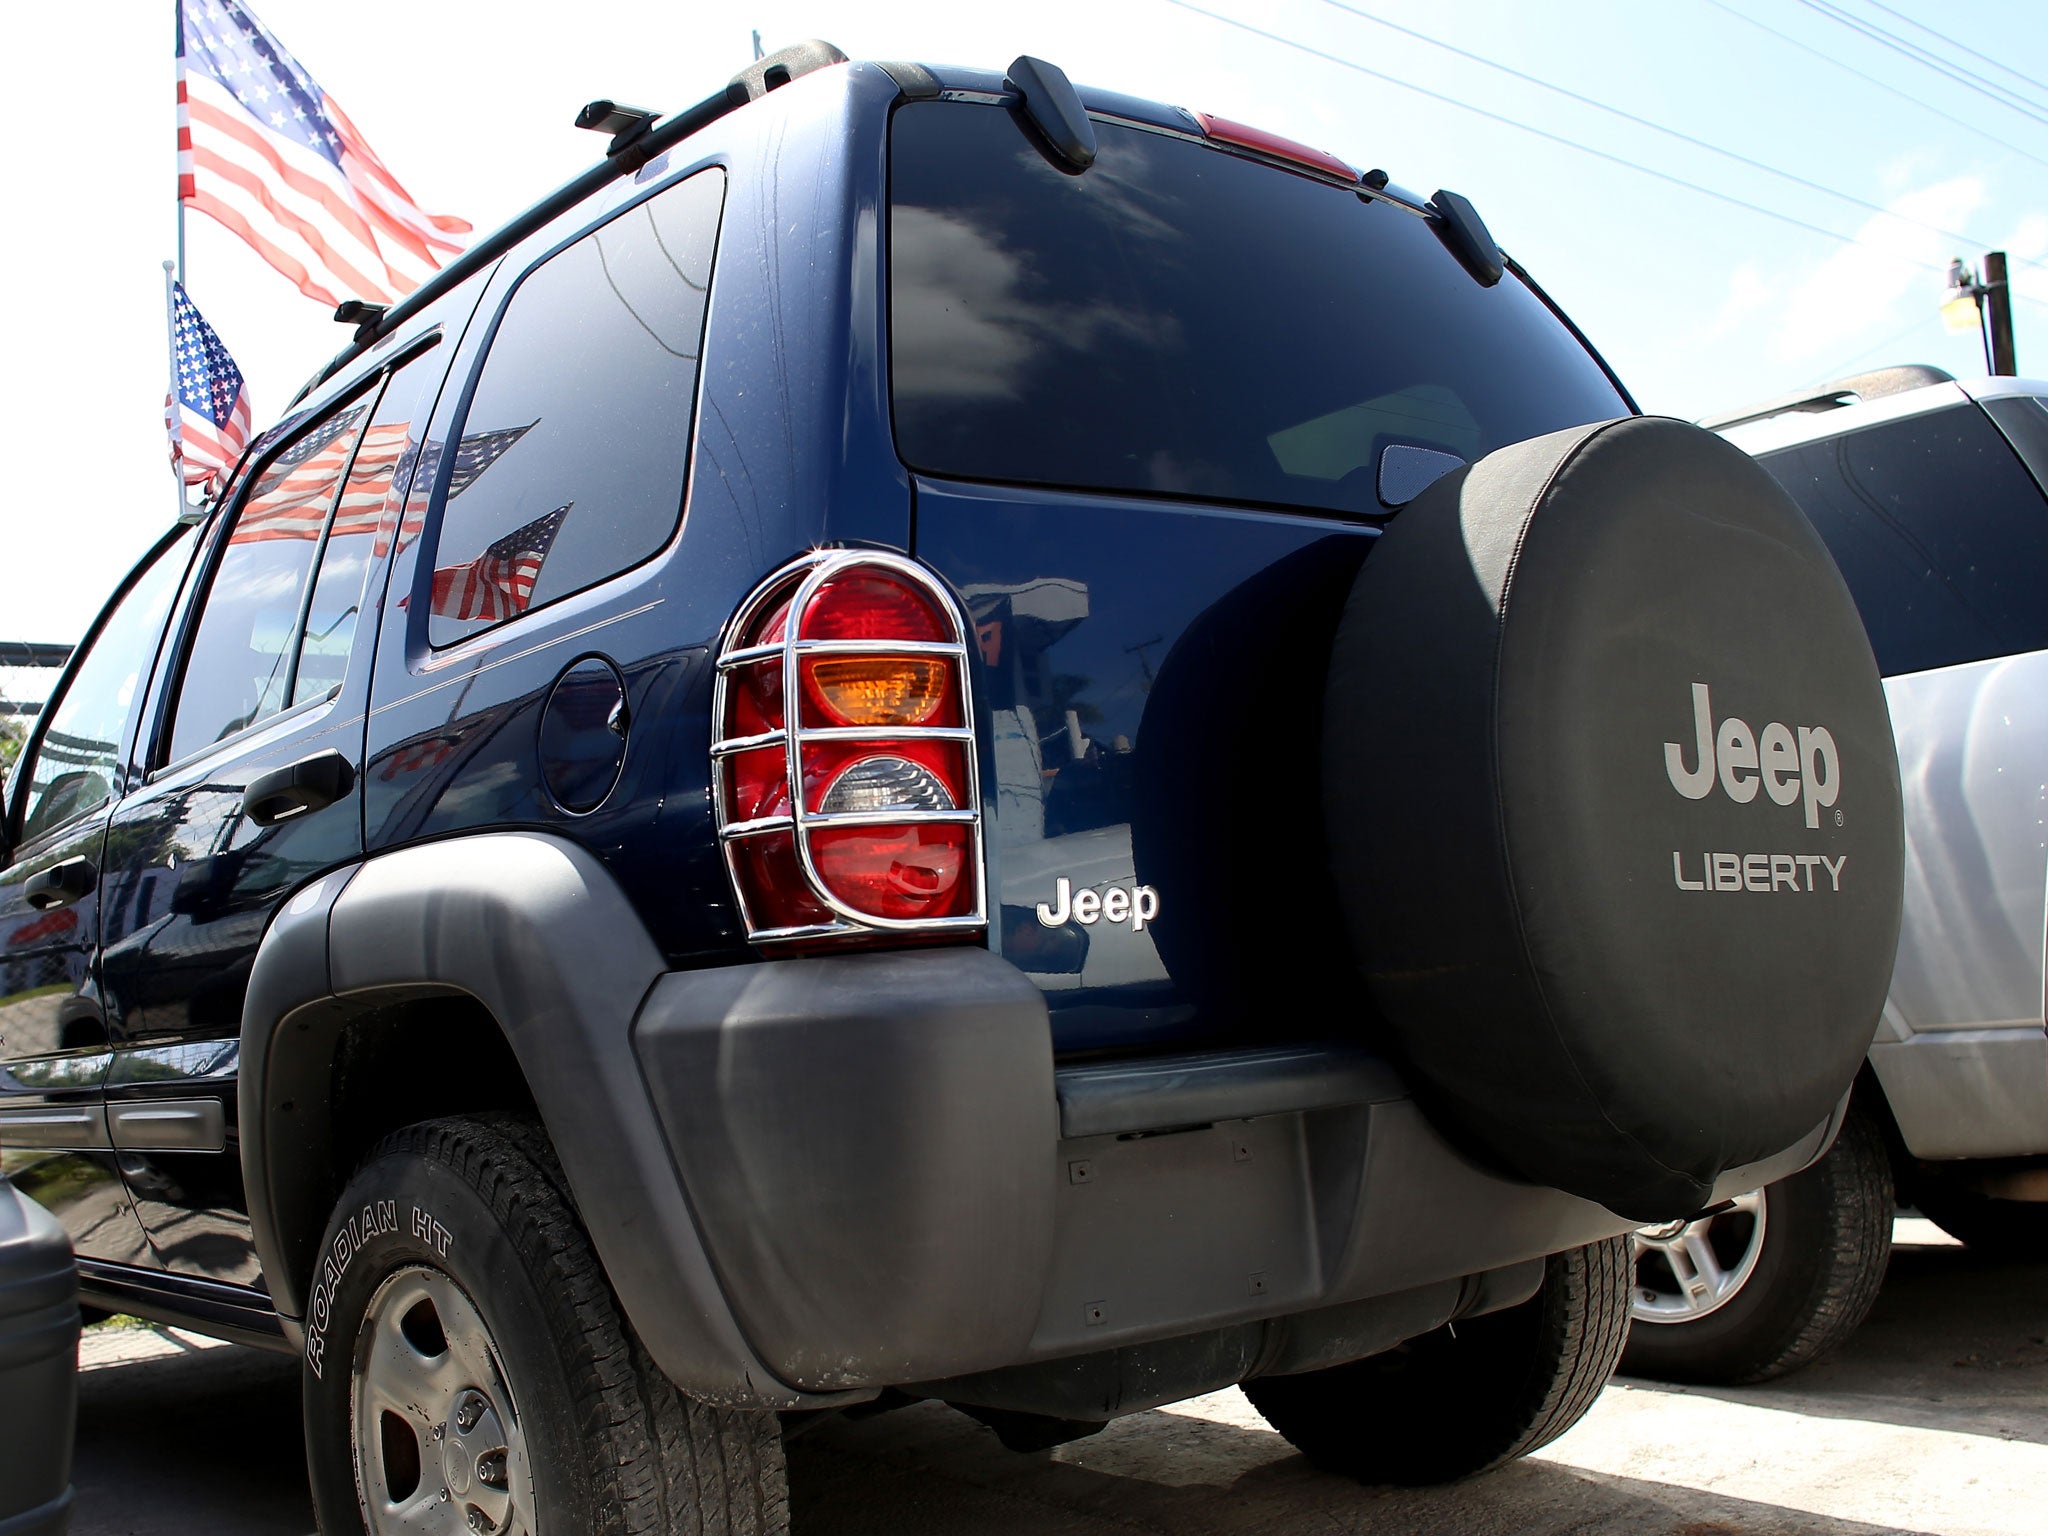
(1929, 492)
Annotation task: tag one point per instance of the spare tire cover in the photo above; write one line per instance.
(1614, 810)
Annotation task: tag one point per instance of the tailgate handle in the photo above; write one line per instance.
(307, 785)
(60, 884)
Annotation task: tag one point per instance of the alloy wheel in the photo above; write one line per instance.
(434, 1421)
(1686, 1270)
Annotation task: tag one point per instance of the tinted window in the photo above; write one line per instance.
(581, 416)
(1184, 321)
(73, 769)
(1940, 532)
(2024, 420)
(365, 520)
(239, 663)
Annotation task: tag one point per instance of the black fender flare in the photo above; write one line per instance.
(536, 930)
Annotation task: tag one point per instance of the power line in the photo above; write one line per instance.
(1962, 74)
(1558, 138)
(1883, 85)
(1654, 127)
(1841, 370)
(1969, 80)
(1960, 47)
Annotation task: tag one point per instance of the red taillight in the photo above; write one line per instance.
(886, 835)
(756, 694)
(1224, 131)
(778, 896)
(872, 605)
(903, 873)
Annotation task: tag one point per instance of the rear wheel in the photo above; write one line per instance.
(468, 1370)
(1471, 1395)
(2015, 1229)
(1777, 1279)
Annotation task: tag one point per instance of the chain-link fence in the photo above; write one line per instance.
(28, 671)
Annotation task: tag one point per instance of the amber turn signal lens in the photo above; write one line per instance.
(878, 690)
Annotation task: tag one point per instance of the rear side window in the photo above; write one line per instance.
(1184, 321)
(365, 521)
(1939, 530)
(238, 668)
(587, 396)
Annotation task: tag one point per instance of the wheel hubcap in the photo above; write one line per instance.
(1688, 1269)
(434, 1420)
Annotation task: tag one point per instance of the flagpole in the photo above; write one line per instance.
(173, 420)
(178, 12)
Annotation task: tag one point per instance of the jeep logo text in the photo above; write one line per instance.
(1137, 906)
(1787, 766)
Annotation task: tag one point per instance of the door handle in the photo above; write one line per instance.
(60, 884)
(293, 790)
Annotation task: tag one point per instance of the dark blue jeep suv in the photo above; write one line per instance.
(940, 738)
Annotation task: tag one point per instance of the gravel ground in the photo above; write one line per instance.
(1934, 1420)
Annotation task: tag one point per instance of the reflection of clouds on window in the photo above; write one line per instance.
(1123, 188)
(639, 263)
(1166, 470)
(965, 325)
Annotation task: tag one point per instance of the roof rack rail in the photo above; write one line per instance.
(750, 84)
(1874, 385)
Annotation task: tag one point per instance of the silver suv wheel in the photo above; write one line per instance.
(434, 1422)
(1688, 1269)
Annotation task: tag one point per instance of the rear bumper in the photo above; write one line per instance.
(894, 1184)
(1967, 1093)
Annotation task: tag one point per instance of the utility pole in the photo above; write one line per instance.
(1998, 314)
(1985, 306)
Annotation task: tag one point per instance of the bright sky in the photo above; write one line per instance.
(1698, 304)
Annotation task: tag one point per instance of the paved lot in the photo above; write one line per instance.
(1935, 1420)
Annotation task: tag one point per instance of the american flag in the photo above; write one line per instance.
(265, 151)
(208, 413)
(499, 582)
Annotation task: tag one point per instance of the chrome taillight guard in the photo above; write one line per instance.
(810, 573)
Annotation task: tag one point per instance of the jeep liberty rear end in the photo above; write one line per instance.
(1004, 746)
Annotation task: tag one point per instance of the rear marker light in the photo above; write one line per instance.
(885, 837)
(877, 690)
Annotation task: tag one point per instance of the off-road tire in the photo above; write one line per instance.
(1471, 1395)
(613, 1448)
(2008, 1229)
(1827, 1241)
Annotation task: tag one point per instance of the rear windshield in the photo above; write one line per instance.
(1184, 321)
(1940, 532)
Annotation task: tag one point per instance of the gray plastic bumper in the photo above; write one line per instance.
(893, 1183)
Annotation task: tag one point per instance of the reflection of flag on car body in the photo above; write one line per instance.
(477, 452)
(419, 756)
(265, 151)
(208, 415)
(295, 505)
(499, 582)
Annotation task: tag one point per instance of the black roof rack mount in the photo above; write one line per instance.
(1051, 105)
(1855, 389)
(642, 144)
